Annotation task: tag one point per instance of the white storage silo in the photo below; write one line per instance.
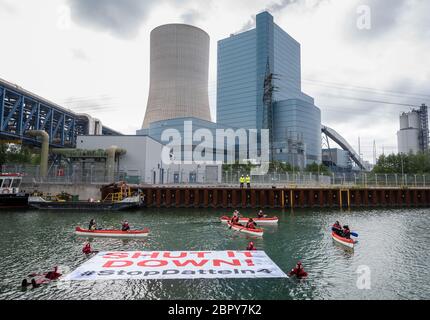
(414, 120)
(404, 121)
(408, 141)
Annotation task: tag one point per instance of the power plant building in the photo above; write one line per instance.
(259, 87)
(413, 136)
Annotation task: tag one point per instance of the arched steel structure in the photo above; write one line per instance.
(336, 137)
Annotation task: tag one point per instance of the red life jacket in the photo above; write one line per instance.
(250, 225)
(87, 249)
(299, 272)
(52, 275)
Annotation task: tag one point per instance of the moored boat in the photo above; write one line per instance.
(112, 233)
(344, 241)
(265, 221)
(10, 194)
(43, 204)
(240, 228)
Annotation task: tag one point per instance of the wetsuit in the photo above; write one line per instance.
(87, 249)
(346, 233)
(299, 272)
(251, 225)
(52, 275)
(235, 220)
(337, 229)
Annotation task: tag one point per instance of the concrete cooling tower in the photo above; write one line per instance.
(179, 74)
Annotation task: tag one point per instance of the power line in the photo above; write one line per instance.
(402, 96)
(326, 83)
(368, 100)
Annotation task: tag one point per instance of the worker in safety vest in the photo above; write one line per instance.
(242, 181)
(248, 181)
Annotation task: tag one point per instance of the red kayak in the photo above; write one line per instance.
(112, 233)
(241, 228)
(344, 241)
(266, 221)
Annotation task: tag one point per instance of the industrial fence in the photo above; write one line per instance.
(98, 175)
(345, 179)
(66, 175)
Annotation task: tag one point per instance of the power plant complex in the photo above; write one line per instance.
(258, 87)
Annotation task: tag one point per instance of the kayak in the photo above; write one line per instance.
(265, 221)
(254, 232)
(112, 233)
(344, 241)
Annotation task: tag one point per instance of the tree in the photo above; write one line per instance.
(403, 163)
(17, 154)
(317, 168)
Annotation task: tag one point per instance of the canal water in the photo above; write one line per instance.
(393, 246)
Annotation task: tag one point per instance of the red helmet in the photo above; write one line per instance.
(299, 263)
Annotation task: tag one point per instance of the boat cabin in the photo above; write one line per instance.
(10, 183)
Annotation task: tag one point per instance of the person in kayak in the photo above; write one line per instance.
(92, 226)
(236, 217)
(125, 226)
(261, 214)
(346, 233)
(251, 224)
(337, 228)
(87, 248)
(235, 220)
(298, 271)
(251, 246)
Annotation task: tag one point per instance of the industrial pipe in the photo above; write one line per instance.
(44, 152)
(110, 163)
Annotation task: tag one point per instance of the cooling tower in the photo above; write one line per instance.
(179, 74)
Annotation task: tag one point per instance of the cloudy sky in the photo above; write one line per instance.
(94, 55)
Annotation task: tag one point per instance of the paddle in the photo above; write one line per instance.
(242, 227)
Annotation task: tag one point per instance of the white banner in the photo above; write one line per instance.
(177, 265)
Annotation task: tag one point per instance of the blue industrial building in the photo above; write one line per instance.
(259, 87)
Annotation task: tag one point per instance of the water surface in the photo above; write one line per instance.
(393, 244)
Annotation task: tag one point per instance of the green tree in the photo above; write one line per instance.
(407, 163)
(17, 154)
(316, 168)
